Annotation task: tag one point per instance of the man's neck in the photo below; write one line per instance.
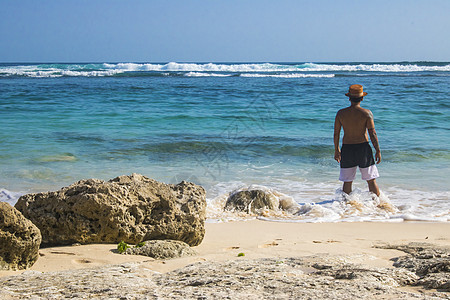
(355, 104)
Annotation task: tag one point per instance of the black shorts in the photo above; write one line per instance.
(360, 155)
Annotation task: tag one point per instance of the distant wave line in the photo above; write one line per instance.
(269, 67)
(215, 70)
(292, 75)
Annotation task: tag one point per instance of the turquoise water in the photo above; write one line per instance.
(223, 126)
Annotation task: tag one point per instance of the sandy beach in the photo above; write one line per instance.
(352, 242)
(261, 239)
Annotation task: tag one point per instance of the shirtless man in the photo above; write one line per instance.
(356, 151)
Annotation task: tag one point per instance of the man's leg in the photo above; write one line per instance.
(347, 175)
(373, 187)
(347, 187)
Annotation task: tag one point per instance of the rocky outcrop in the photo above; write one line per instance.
(127, 208)
(19, 239)
(251, 201)
(162, 249)
(430, 262)
(264, 278)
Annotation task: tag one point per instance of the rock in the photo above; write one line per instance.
(424, 266)
(19, 239)
(125, 281)
(251, 201)
(430, 262)
(439, 281)
(127, 208)
(263, 278)
(390, 277)
(162, 249)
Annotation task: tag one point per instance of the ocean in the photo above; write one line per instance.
(228, 127)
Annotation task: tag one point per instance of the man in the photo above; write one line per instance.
(356, 151)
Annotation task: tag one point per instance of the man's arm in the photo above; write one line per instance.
(373, 137)
(337, 134)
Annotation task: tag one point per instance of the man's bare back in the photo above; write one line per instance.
(355, 120)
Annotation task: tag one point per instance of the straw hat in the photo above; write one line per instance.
(355, 91)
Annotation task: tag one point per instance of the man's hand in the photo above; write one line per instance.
(378, 157)
(337, 155)
(374, 139)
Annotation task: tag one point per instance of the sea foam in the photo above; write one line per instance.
(393, 205)
(288, 75)
(203, 74)
(312, 205)
(270, 67)
(212, 69)
(9, 197)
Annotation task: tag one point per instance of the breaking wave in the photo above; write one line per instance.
(287, 75)
(401, 205)
(270, 67)
(302, 70)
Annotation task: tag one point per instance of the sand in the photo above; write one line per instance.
(278, 261)
(262, 239)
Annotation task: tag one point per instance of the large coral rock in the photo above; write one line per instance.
(19, 239)
(127, 208)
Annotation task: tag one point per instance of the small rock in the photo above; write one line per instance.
(162, 249)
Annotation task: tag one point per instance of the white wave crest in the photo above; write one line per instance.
(54, 72)
(311, 67)
(195, 67)
(201, 74)
(270, 67)
(292, 75)
(201, 69)
(30, 71)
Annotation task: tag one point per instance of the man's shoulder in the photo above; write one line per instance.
(351, 111)
(368, 113)
(343, 110)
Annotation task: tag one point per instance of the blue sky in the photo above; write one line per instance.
(220, 31)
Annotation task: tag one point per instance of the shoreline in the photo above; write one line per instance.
(261, 239)
(318, 207)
